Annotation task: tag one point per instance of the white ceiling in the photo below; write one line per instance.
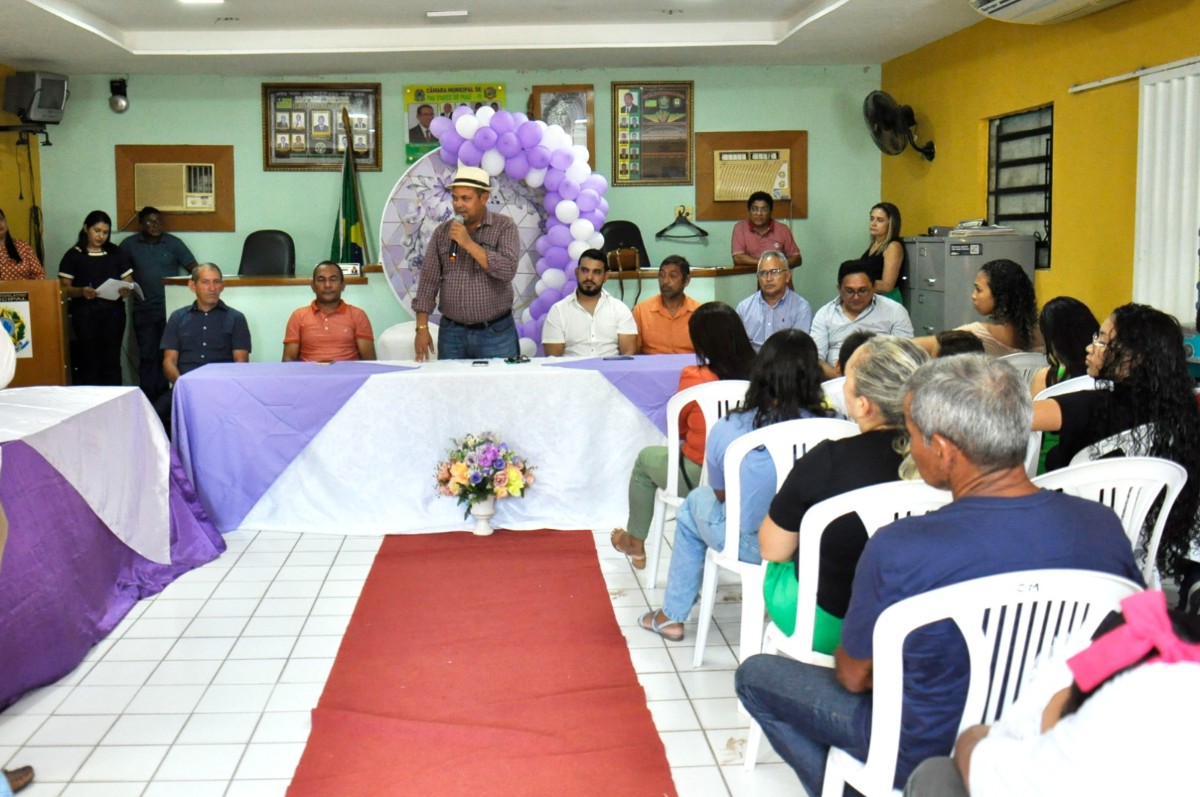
(316, 37)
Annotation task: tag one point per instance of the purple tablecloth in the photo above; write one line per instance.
(648, 380)
(67, 580)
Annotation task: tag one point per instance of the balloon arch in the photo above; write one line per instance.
(532, 155)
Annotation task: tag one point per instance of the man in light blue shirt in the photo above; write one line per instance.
(857, 308)
(773, 307)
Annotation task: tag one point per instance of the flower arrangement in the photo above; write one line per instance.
(480, 466)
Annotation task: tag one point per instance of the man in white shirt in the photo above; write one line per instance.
(856, 308)
(590, 322)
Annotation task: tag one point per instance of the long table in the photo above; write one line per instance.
(99, 516)
(352, 448)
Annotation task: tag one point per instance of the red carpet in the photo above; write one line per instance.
(483, 666)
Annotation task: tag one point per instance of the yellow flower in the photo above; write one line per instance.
(458, 473)
(515, 481)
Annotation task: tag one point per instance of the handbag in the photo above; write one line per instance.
(624, 258)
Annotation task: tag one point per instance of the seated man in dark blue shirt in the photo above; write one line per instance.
(207, 331)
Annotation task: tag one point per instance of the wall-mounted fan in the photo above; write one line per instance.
(891, 125)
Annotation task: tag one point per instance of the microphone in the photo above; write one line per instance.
(454, 244)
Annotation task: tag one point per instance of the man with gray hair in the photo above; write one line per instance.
(969, 419)
(773, 307)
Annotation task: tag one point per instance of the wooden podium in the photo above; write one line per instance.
(38, 304)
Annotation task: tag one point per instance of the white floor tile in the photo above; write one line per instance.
(97, 700)
(230, 607)
(201, 648)
(673, 715)
(309, 573)
(332, 606)
(119, 673)
(232, 699)
(263, 647)
(16, 729)
(329, 625)
(181, 673)
(700, 782)
(86, 729)
(242, 572)
(203, 788)
(318, 647)
(145, 729)
(132, 762)
(140, 649)
(283, 726)
(306, 671)
(284, 607)
(53, 764)
(240, 589)
(274, 626)
(215, 627)
(117, 789)
(250, 671)
(295, 697)
(275, 760)
(259, 788)
(191, 762)
(764, 779)
(220, 728)
(687, 749)
(41, 701)
(176, 699)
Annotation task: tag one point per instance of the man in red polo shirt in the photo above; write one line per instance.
(328, 329)
(760, 233)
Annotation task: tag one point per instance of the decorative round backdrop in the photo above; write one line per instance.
(541, 181)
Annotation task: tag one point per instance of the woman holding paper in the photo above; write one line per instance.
(98, 322)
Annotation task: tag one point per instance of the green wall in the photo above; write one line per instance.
(844, 167)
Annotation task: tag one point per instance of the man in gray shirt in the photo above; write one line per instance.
(856, 308)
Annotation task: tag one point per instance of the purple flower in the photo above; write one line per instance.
(476, 477)
(498, 464)
(471, 459)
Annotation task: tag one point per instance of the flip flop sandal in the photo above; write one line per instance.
(620, 541)
(649, 622)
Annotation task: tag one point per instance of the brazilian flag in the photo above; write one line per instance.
(349, 239)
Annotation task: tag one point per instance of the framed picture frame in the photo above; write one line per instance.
(303, 129)
(572, 107)
(652, 133)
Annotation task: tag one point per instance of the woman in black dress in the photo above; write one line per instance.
(98, 324)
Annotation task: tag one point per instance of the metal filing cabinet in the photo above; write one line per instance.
(941, 274)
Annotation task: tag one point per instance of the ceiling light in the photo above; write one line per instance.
(439, 14)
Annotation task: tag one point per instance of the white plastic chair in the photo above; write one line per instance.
(1129, 486)
(1027, 363)
(1121, 441)
(1005, 620)
(785, 442)
(715, 400)
(833, 391)
(876, 506)
(1033, 454)
(396, 342)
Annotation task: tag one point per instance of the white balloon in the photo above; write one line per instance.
(492, 162)
(582, 229)
(539, 286)
(527, 315)
(535, 178)
(466, 125)
(485, 114)
(542, 125)
(528, 347)
(577, 248)
(579, 171)
(580, 152)
(566, 211)
(596, 241)
(554, 277)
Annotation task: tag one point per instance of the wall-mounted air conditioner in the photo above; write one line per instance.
(1039, 12)
(175, 187)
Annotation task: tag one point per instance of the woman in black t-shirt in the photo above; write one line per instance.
(875, 377)
(98, 324)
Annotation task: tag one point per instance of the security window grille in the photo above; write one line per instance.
(1020, 163)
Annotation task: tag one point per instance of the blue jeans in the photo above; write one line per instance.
(699, 525)
(804, 711)
(497, 339)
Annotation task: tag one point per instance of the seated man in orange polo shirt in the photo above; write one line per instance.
(328, 329)
(662, 320)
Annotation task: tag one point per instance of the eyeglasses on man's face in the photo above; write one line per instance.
(772, 272)
(850, 293)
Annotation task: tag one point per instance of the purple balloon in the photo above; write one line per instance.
(557, 257)
(587, 200)
(461, 110)
(550, 201)
(593, 182)
(450, 155)
(517, 166)
(451, 139)
(603, 206)
(554, 178)
(568, 188)
(539, 306)
(569, 287)
(559, 236)
(530, 135)
(469, 154)
(502, 122)
(551, 294)
(485, 138)
(507, 144)
(541, 265)
(539, 157)
(562, 158)
(519, 119)
(603, 183)
(439, 126)
(594, 216)
(541, 245)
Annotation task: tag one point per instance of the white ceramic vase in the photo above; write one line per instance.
(483, 511)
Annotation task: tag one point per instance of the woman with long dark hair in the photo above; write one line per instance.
(785, 384)
(1067, 327)
(723, 351)
(1004, 293)
(885, 256)
(98, 324)
(18, 261)
(1143, 386)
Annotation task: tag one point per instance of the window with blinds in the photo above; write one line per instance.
(1020, 165)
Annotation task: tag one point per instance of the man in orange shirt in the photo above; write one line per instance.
(662, 320)
(328, 329)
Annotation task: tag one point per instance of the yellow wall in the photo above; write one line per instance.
(996, 68)
(14, 173)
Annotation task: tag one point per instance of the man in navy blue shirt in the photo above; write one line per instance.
(969, 419)
(207, 331)
(154, 254)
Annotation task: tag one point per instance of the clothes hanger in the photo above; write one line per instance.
(681, 220)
